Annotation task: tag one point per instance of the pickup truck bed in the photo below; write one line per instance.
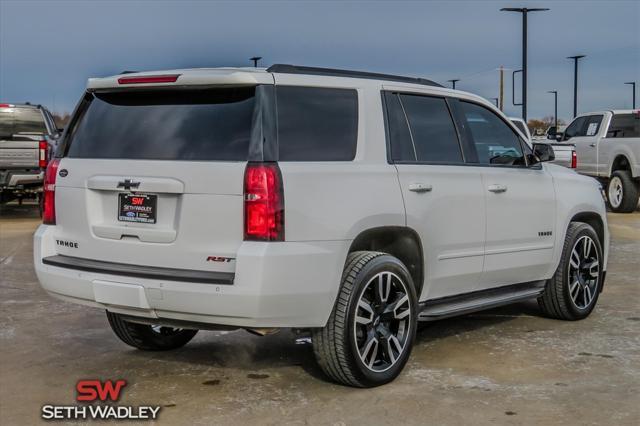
(564, 153)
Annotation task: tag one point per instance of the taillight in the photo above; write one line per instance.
(263, 202)
(43, 152)
(574, 160)
(149, 79)
(49, 199)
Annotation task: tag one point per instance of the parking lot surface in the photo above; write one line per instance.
(505, 366)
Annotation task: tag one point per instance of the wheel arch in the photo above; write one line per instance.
(399, 241)
(620, 162)
(594, 220)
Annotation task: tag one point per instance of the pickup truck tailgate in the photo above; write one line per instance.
(19, 154)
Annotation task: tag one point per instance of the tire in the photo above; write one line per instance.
(572, 293)
(148, 337)
(351, 329)
(622, 192)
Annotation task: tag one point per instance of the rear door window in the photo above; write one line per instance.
(421, 129)
(196, 125)
(401, 144)
(432, 129)
(624, 126)
(592, 125)
(316, 124)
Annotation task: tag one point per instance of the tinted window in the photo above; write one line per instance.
(624, 126)
(167, 125)
(399, 136)
(316, 124)
(21, 120)
(495, 142)
(592, 125)
(432, 129)
(575, 128)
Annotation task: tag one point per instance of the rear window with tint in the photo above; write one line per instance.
(197, 125)
(316, 124)
(21, 120)
(624, 126)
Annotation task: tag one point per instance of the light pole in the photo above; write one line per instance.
(555, 108)
(524, 12)
(255, 60)
(453, 82)
(633, 87)
(575, 82)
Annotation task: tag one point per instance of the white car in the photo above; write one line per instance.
(348, 204)
(608, 147)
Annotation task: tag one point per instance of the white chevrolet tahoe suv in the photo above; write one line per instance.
(350, 205)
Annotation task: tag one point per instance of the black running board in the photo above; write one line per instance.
(450, 306)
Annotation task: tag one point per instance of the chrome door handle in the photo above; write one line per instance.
(420, 187)
(497, 188)
(592, 145)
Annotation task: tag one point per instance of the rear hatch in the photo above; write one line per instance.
(154, 177)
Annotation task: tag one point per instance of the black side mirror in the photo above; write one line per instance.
(560, 136)
(543, 152)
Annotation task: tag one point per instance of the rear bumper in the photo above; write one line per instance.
(16, 178)
(288, 284)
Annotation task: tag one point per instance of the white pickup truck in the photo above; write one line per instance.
(28, 137)
(564, 153)
(608, 148)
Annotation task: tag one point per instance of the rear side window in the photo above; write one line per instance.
(402, 148)
(197, 125)
(316, 124)
(624, 126)
(17, 120)
(495, 142)
(430, 135)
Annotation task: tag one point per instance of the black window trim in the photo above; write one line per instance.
(390, 159)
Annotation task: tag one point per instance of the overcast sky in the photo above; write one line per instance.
(49, 48)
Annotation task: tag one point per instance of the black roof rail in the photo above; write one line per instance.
(128, 72)
(297, 69)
